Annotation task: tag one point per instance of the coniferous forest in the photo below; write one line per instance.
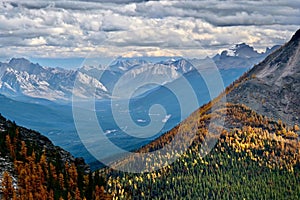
(43, 174)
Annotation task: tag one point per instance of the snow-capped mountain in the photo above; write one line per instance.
(20, 77)
(121, 65)
(241, 56)
(241, 50)
(128, 74)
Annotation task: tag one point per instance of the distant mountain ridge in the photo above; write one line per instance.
(241, 56)
(23, 79)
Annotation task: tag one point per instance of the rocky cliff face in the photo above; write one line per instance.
(272, 87)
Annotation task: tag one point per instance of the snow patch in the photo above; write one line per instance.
(230, 52)
(167, 117)
(110, 131)
(122, 68)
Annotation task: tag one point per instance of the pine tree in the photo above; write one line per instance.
(7, 186)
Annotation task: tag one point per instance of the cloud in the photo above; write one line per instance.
(188, 28)
(38, 41)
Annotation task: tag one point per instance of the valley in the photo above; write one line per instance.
(54, 118)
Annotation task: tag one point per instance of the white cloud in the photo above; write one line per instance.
(38, 41)
(188, 28)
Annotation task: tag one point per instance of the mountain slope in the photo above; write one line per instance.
(255, 157)
(272, 87)
(36, 169)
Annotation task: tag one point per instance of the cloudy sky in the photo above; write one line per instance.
(62, 29)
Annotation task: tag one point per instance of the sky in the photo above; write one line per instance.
(73, 30)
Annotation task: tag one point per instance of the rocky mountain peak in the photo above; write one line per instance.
(241, 46)
(240, 50)
(296, 36)
(19, 61)
(22, 64)
(241, 55)
(273, 86)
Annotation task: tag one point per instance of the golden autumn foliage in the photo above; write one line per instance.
(245, 139)
(40, 176)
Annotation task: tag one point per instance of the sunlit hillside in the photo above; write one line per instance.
(254, 158)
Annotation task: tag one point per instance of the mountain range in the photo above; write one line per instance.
(21, 79)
